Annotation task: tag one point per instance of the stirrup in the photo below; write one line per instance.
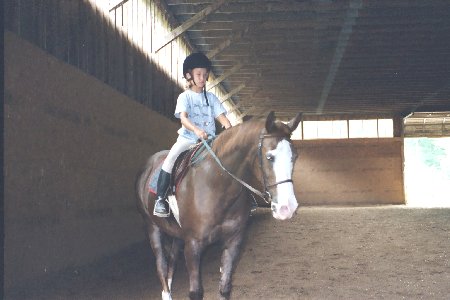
(158, 214)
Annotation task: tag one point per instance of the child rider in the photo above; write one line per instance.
(197, 110)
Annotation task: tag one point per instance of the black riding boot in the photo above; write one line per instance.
(161, 206)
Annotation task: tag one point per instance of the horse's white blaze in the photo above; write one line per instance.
(283, 166)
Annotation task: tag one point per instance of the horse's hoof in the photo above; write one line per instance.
(196, 295)
(166, 296)
(225, 295)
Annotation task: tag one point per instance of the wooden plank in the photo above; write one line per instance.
(232, 93)
(91, 44)
(58, 41)
(31, 29)
(191, 22)
(261, 7)
(107, 29)
(225, 44)
(224, 76)
(41, 22)
(12, 16)
(118, 5)
(113, 57)
(63, 30)
(99, 41)
(80, 29)
(73, 37)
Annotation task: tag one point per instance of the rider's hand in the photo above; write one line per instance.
(201, 134)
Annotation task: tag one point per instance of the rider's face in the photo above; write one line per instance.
(200, 75)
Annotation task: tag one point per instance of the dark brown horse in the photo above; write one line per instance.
(213, 198)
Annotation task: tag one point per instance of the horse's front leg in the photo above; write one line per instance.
(230, 254)
(192, 252)
(154, 234)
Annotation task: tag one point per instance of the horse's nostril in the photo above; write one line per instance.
(284, 209)
(274, 208)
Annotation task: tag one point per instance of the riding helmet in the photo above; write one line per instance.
(196, 60)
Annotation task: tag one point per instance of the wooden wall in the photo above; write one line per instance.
(73, 147)
(80, 34)
(349, 171)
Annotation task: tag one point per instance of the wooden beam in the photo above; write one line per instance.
(235, 108)
(189, 23)
(233, 92)
(225, 44)
(224, 76)
(118, 5)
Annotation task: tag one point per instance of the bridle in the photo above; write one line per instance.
(266, 196)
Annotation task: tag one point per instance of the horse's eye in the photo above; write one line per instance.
(270, 157)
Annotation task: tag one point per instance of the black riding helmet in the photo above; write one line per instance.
(196, 60)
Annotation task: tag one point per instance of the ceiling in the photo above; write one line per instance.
(325, 57)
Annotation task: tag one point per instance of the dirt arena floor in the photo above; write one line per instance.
(383, 252)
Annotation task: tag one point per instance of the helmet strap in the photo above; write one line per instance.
(206, 97)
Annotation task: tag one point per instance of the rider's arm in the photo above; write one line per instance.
(224, 121)
(184, 117)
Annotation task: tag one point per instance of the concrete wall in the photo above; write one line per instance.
(73, 147)
(349, 171)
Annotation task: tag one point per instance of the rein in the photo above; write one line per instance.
(231, 174)
(266, 196)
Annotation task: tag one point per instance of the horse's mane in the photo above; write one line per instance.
(236, 136)
(246, 133)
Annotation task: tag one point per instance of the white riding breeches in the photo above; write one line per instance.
(180, 145)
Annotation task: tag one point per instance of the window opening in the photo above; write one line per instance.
(343, 129)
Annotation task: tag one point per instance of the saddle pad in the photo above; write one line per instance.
(153, 182)
(179, 169)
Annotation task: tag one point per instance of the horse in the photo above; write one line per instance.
(213, 199)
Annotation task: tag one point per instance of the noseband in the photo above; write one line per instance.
(267, 196)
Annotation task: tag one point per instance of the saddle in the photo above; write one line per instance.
(183, 162)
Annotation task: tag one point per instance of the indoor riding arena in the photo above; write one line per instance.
(90, 89)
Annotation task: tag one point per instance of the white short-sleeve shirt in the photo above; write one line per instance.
(199, 113)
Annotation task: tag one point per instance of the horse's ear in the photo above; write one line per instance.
(270, 122)
(292, 124)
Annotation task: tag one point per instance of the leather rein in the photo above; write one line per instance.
(266, 196)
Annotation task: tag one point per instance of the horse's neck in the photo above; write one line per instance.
(241, 151)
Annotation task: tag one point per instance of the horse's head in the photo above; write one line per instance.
(277, 158)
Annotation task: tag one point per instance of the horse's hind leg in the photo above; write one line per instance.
(154, 234)
(174, 254)
(230, 256)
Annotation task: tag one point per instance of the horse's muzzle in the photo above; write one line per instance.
(282, 212)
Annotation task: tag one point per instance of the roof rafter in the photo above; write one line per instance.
(225, 76)
(231, 93)
(189, 23)
(225, 44)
